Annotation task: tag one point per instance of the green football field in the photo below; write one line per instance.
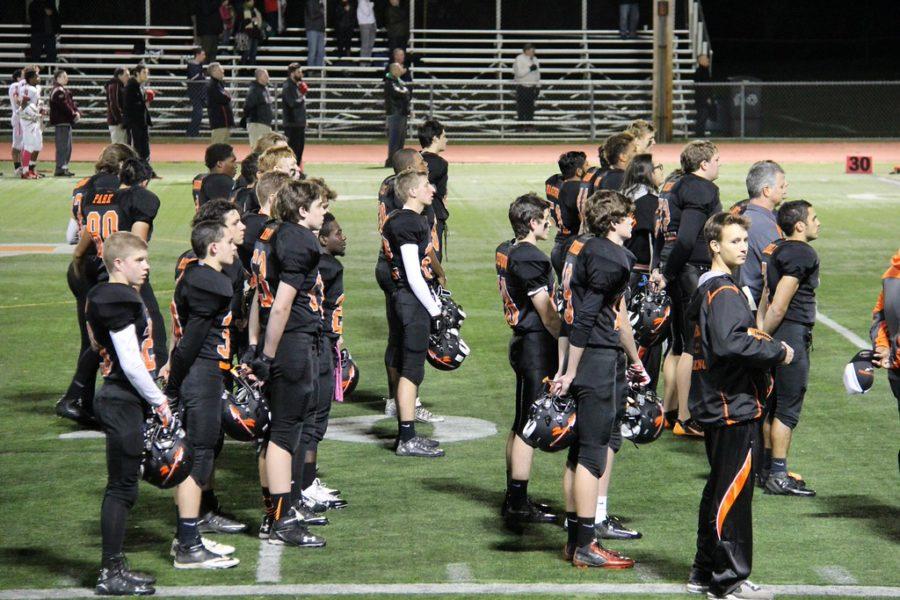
(409, 519)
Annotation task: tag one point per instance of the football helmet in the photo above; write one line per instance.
(245, 413)
(349, 373)
(644, 420)
(452, 313)
(446, 349)
(649, 311)
(859, 373)
(551, 422)
(168, 457)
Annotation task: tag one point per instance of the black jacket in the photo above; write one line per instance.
(219, 105)
(115, 98)
(135, 114)
(41, 22)
(258, 105)
(396, 97)
(735, 359)
(209, 21)
(293, 105)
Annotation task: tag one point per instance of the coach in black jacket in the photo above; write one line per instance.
(259, 107)
(135, 116)
(734, 365)
(221, 117)
(396, 106)
(293, 110)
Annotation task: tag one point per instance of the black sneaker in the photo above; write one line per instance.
(216, 522)
(539, 505)
(265, 528)
(698, 581)
(308, 517)
(418, 447)
(612, 529)
(527, 513)
(290, 532)
(761, 478)
(201, 557)
(116, 580)
(71, 408)
(781, 484)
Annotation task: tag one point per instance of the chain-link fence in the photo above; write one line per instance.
(748, 108)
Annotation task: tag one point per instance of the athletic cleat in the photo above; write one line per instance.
(797, 477)
(201, 557)
(746, 590)
(761, 478)
(307, 516)
(687, 428)
(670, 418)
(213, 522)
(418, 447)
(568, 552)
(595, 555)
(612, 529)
(528, 513)
(321, 485)
(211, 545)
(329, 501)
(781, 484)
(390, 407)
(289, 532)
(265, 528)
(313, 505)
(117, 580)
(33, 175)
(698, 581)
(71, 408)
(423, 415)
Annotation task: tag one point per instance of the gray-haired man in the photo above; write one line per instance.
(259, 107)
(767, 188)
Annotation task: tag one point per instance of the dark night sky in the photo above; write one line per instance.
(770, 39)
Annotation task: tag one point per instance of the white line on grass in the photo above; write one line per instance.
(463, 589)
(889, 180)
(836, 574)
(846, 333)
(268, 567)
(459, 572)
(647, 574)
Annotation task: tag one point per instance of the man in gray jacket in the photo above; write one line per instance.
(259, 107)
(293, 110)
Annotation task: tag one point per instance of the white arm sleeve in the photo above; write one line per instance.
(129, 355)
(72, 231)
(410, 254)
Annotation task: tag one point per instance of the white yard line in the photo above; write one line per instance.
(889, 180)
(461, 589)
(836, 574)
(843, 331)
(268, 567)
(459, 572)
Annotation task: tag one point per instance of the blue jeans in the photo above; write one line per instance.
(315, 40)
(628, 18)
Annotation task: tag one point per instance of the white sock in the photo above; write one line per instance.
(600, 515)
(418, 403)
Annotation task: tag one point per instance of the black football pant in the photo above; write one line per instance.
(408, 328)
(533, 356)
(201, 400)
(791, 380)
(594, 389)
(159, 325)
(558, 256)
(315, 421)
(440, 228)
(121, 412)
(386, 283)
(292, 387)
(724, 524)
(85, 378)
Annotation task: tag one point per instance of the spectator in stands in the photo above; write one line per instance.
(400, 56)
(315, 33)
(270, 14)
(208, 26)
(259, 107)
(196, 88)
(248, 31)
(703, 102)
(293, 110)
(136, 115)
(629, 15)
(221, 117)
(396, 107)
(365, 16)
(397, 25)
(228, 16)
(63, 114)
(44, 29)
(344, 28)
(115, 102)
(526, 71)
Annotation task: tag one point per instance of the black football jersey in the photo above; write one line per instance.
(207, 186)
(612, 180)
(332, 272)
(245, 200)
(112, 307)
(100, 183)
(644, 232)
(109, 212)
(692, 192)
(204, 294)
(798, 259)
(289, 253)
(437, 176)
(594, 278)
(254, 223)
(591, 179)
(388, 203)
(407, 227)
(522, 271)
(567, 210)
(551, 188)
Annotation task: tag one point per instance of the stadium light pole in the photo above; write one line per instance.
(663, 58)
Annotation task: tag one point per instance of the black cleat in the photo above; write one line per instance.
(527, 513)
(307, 516)
(290, 532)
(781, 484)
(116, 580)
(265, 528)
(216, 522)
(761, 478)
(418, 447)
(71, 408)
(201, 557)
(612, 529)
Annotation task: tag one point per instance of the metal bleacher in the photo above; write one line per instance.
(593, 83)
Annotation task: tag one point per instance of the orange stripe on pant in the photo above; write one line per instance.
(734, 490)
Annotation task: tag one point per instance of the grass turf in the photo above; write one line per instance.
(408, 519)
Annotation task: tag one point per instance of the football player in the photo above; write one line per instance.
(121, 331)
(734, 365)
(433, 139)
(403, 159)
(31, 115)
(414, 309)
(618, 150)
(885, 330)
(201, 313)
(644, 135)
(77, 402)
(289, 291)
(244, 194)
(280, 158)
(14, 103)
(527, 285)
(694, 199)
(218, 182)
(264, 191)
(567, 207)
(595, 283)
(792, 273)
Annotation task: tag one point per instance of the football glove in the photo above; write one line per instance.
(637, 376)
(260, 367)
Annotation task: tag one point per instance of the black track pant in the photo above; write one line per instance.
(85, 378)
(725, 525)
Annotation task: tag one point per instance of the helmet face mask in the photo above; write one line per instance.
(168, 457)
(349, 373)
(245, 413)
(650, 312)
(447, 350)
(551, 424)
(643, 421)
